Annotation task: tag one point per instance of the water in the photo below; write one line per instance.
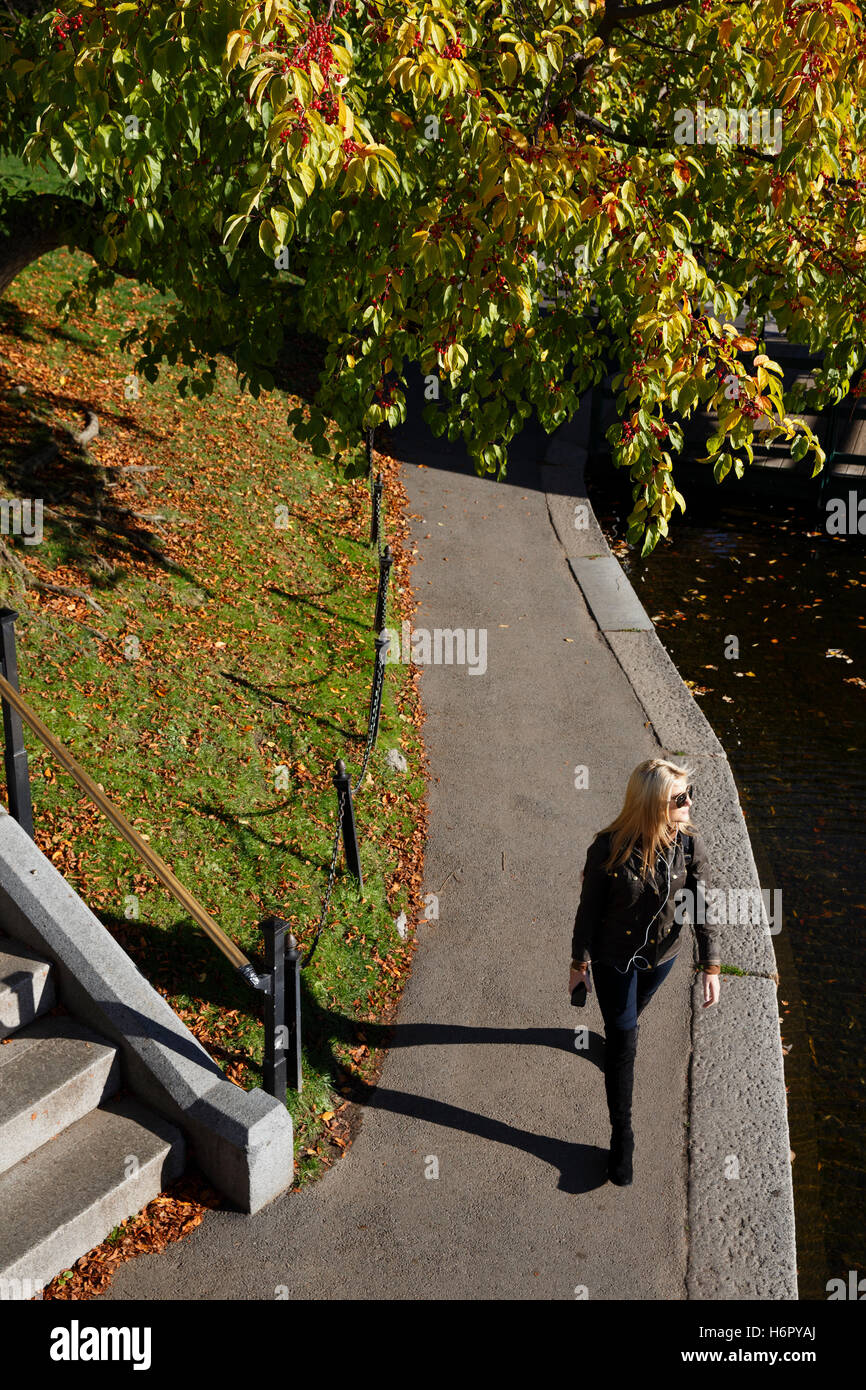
(794, 731)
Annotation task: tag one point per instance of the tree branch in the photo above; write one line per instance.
(665, 47)
(36, 223)
(580, 65)
(619, 137)
(655, 7)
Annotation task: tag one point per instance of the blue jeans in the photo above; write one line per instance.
(621, 997)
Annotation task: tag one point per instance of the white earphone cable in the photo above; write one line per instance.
(637, 954)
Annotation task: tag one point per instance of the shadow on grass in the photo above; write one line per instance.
(16, 321)
(322, 723)
(317, 607)
(40, 459)
(241, 834)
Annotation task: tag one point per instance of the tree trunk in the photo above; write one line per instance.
(35, 223)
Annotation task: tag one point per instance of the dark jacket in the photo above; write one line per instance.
(615, 909)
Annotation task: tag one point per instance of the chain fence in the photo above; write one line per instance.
(375, 707)
(332, 872)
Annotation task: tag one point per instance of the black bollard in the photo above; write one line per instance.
(293, 1013)
(276, 1032)
(382, 643)
(15, 754)
(369, 447)
(386, 560)
(377, 506)
(347, 821)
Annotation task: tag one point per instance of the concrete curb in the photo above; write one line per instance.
(241, 1140)
(741, 1231)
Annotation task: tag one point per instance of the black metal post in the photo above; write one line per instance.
(386, 560)
(369, 446)
(15, 754)
(293, 1013)
(347, 821)
(377, 504)
(382, 643)
(276, 1032)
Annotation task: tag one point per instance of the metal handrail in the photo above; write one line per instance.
(132, 837)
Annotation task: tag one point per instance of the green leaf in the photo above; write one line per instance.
(281, 218)
(268, 238)
(308, 178)
(651, 537)
(234, 230)
(355, 468)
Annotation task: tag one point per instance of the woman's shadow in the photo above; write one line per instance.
(582, 1167)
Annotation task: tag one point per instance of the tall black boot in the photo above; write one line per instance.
(620, 1052)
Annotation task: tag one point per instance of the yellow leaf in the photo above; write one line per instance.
(508, 68)
(234, 47)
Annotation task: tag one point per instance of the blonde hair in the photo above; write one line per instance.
(644, 813)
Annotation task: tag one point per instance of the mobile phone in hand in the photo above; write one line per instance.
(578, 994)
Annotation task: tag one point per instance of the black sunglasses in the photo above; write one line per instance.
(683, 796)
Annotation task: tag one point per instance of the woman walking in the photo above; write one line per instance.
(627, 925)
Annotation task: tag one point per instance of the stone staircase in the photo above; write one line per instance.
(76, 1157)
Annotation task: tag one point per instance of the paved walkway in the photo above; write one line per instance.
(483, 1074)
